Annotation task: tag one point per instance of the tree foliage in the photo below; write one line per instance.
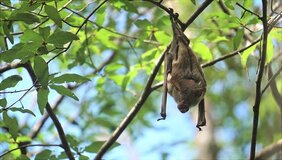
(75, 75)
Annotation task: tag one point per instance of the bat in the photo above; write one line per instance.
(183, 78)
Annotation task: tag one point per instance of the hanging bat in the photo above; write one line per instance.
(183, 79)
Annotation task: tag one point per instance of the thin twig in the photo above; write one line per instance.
(230, 54)
(247, 10)
(259, 80)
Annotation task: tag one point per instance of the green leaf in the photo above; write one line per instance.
(41, 71)
(203, 51)
(143, 24)
(61, 37)
(12, 125)
(70, 78)
(31, 36)
(54, 15)
(104, 37)
(64, 91)
(3, 102)
(229, 4)
(73, 142)
(238, 38)
(14, 109)
(162, 37)
(194, 2)
(100, 16)
(10, 82)
(22, 51)
(246, 54)
(42, 99)
(44, 32)
(28, 18)
(45, 154)
(270, 49)
(7, 31)
(95, 146)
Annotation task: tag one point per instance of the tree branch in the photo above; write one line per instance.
(196, 14)
(53, 116)
(270, 150)
(271, 82)
(132, 113)
(10, 66)
(259, 79)
(229, 55)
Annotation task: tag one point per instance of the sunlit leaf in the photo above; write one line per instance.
(10, 82)
(245, 55)
(41, 71)
(238, 38)
(277, 34)
(203, 51)
(270, 49)
(12, 125)
(64, 91)
(42, 99)
(70, 78)
(100, 16)
(162, 37)
(54, 15)
(229, 4)
(104, 37)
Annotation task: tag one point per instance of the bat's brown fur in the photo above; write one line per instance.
(184, 79)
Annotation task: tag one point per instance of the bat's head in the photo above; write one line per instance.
(187, 93)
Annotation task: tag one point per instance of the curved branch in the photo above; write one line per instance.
(10, 66)
(271, 82)
(270, 150)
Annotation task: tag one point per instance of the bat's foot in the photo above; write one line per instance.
(163, 116)
(200, 125)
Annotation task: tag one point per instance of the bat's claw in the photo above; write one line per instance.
(163, 116)
(200, 125)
